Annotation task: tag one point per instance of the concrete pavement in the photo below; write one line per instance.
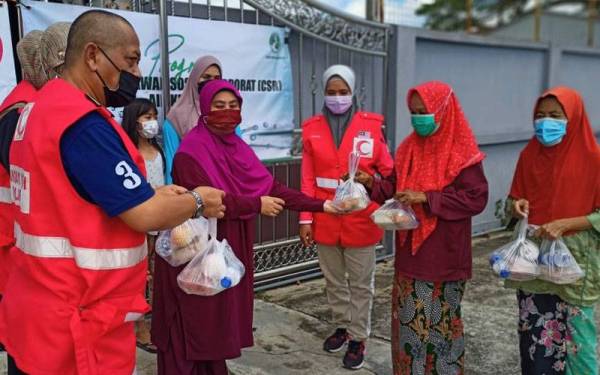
(292, 322)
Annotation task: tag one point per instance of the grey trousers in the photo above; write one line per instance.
(350, 286)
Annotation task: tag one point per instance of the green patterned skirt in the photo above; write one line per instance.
(427, 329)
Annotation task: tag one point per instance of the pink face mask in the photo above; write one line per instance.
(338, 104)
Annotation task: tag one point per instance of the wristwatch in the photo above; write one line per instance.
(199, 204)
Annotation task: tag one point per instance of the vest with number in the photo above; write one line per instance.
(79, 275)
(330, 163)
(20, 95)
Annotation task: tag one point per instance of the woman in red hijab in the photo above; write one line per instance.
(439, 173)
(557, 186)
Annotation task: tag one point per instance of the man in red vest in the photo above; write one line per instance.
(345, 244)
(83, 206)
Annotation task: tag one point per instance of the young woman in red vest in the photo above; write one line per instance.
(439, 173)
(345, 244)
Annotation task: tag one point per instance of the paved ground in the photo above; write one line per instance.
(291, 323)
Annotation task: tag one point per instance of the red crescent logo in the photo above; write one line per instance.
(1, 50)
(359, 147)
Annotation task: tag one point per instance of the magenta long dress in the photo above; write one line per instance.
(195, 334)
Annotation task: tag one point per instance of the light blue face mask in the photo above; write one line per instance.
(550, 131)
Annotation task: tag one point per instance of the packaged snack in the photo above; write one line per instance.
(557, 264)
(179, 245)
(517, 260)
(350, 195)
(394, 215)
(212, 271)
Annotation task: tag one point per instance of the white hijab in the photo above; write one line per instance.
(344, 72)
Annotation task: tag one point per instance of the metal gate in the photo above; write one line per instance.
(318, 37)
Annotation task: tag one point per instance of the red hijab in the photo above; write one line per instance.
(432, 163)
(562, 181)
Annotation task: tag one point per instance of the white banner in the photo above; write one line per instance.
(8, 78)
(255, 58)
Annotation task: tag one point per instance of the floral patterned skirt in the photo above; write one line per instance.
(427, 329)
(555, 337)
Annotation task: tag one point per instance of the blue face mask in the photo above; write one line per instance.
(550, 131)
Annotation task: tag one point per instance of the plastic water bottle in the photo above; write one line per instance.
(501, 269)
(562, 260)
(231, 278)
(226, 282)
(495, 257)
(163, 245)
(546, 259)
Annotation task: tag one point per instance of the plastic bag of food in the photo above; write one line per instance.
(517, 260)
(214, 270)
(181, 244)
(350, 195)
(557, 264)
(394, 215)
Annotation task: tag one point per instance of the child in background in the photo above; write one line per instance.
(140, 123)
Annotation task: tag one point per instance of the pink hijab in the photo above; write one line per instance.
(186, 111)
(227, 160)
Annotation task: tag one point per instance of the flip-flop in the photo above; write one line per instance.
(149, 347)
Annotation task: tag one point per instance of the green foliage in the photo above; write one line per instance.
(451, 15)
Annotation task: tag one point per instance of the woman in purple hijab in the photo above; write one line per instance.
(195, 334)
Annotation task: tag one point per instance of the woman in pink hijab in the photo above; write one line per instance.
(184, 115)
(195, 335)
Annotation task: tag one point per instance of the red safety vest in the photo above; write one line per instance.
(79, 275)
(22, 93)
(323, 165)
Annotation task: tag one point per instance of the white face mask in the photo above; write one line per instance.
(149, 129)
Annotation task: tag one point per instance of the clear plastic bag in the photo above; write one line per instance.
(517, 260)
(351, 196)
(181, 244)
(557, 264)
(214, 270)
(394, 215)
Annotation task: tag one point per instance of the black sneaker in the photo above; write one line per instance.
(336, 342)
(355, 356)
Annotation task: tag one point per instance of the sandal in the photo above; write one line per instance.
(148, 347)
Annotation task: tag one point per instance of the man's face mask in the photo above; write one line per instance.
(125, 92)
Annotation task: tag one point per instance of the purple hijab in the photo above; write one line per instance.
(228, 161)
